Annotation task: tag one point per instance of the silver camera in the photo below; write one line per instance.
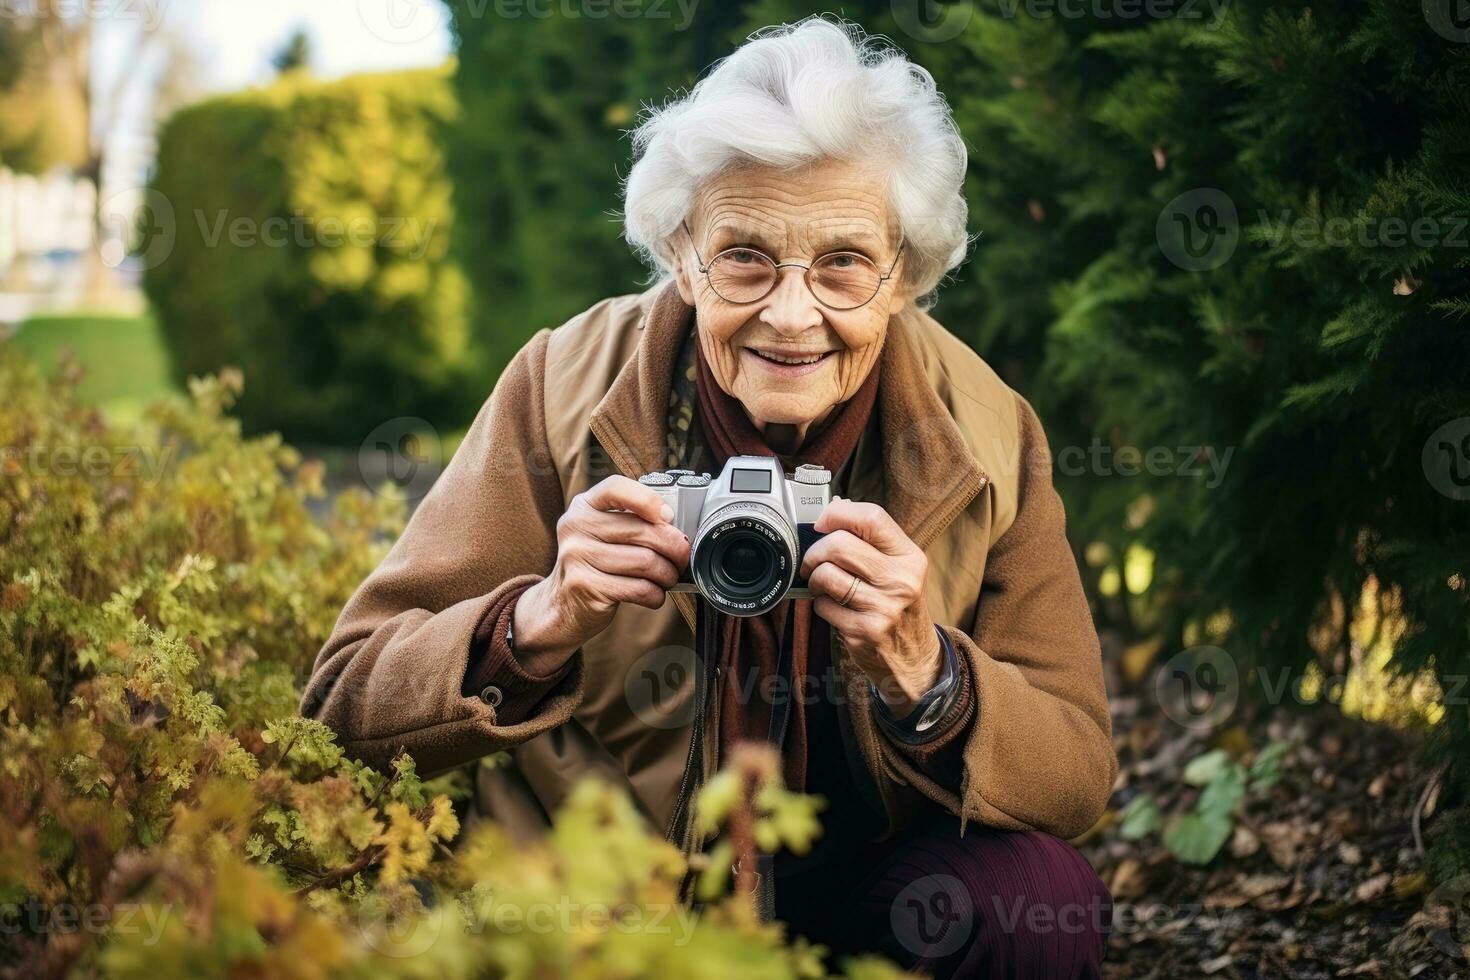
(748, 529)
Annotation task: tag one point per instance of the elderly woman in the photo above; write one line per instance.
(802, 202)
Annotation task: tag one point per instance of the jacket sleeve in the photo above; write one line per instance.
(1039, 755)
(941, 757)
(391, 676)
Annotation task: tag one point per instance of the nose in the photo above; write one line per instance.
(791, 309)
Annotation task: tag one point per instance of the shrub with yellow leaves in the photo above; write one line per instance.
(165, 813)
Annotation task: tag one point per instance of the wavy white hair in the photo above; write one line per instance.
(794, 94)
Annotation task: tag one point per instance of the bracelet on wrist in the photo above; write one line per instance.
(921, 724)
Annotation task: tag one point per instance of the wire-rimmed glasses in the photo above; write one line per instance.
(839, 280)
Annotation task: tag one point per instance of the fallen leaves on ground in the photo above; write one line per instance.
(1319, 879)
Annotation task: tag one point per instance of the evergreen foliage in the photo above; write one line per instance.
(1248, 233)
(300, 232)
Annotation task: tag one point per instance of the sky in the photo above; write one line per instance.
(231, 43)
(235, 39)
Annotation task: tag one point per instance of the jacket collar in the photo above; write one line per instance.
(921, 469)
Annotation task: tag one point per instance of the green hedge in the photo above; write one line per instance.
(312, 224)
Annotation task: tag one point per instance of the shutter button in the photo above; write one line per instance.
(492, 696)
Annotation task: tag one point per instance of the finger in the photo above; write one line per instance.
(847, 550)
(868, 521)
(621, 493)
(849, 623)
(835, 582)
(666, 539)
(627, 589)
(632, 561)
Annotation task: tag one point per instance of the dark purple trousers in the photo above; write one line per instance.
(989, 904)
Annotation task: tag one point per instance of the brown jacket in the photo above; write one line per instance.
(961, 463)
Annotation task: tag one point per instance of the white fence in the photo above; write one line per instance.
(51, 238)
(45, 215)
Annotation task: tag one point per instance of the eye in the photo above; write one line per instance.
(743, 256)
(842, 261)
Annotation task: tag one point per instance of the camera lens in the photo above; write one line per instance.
(742, 561)
(745, 566)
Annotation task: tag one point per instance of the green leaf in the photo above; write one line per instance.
(1195, 838)
(1224, 792)
(1205, 768)
(1266, 769)
(1140, 818)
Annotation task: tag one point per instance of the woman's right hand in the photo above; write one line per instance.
(616, 543)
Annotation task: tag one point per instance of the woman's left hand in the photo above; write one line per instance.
(883, 620)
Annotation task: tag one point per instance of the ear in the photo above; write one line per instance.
(903, 291)
(903, 287)
(683, 274)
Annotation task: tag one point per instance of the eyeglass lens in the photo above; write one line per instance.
(841, 280)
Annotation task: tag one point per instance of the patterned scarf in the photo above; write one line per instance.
(706, 427)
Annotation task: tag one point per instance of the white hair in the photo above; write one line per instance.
(791, 95)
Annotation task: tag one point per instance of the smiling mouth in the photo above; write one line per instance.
(792, 359)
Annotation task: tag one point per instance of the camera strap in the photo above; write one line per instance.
(781, 690)
(708, 633)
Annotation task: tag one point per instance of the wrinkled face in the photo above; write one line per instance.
(787, 358)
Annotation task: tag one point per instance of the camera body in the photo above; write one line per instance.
(748, 529)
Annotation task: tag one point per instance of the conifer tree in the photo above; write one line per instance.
(1244, 230)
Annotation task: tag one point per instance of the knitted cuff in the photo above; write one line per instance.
(940, 751)
(514, 685)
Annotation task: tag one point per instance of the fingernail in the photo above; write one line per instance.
(667, 513)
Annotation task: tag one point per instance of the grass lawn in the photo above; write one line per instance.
(124, 357)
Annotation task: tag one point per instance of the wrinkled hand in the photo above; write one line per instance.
(885, 625)
(616, 543)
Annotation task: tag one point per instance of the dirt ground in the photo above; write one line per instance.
(1323, 877)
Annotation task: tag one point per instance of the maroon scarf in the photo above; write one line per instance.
(749, 646)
